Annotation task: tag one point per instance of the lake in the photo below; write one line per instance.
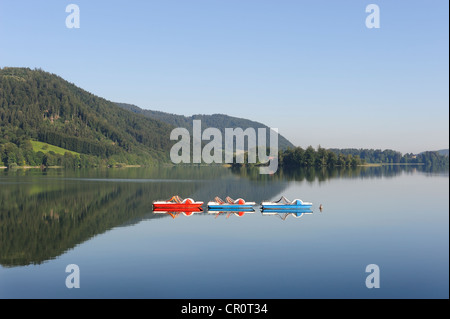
(394, 217)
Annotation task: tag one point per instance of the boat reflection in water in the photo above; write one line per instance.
(285, 213)
(238, 212)
(174, 213)
(281, 213)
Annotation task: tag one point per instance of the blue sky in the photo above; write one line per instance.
(312, 69)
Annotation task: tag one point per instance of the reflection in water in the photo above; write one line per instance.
(174, 213)
(284, 213)
(228, 213)
(323, 174)
(41, 220)
(44, 214)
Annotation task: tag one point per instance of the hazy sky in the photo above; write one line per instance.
(312, 69)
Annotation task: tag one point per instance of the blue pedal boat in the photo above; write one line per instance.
(284, 204)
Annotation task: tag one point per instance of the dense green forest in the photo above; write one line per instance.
(298, 157)
(36, 105)
(310, 157)
(219, 121)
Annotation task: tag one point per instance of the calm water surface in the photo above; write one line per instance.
(102, 221)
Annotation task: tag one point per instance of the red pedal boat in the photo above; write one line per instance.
(177, 203)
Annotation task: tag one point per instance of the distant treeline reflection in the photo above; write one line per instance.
(312, 174)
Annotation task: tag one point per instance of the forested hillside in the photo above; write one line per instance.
(47, 121)
(36, 105)
(220, 121)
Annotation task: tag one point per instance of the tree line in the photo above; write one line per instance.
(310, 157)
(298, 157)
(321, 157)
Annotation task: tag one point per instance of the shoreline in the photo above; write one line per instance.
(389, 164)
(46, 167)
(224, 165)
(30, 167)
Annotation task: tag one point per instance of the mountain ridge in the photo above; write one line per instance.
(216, 120)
